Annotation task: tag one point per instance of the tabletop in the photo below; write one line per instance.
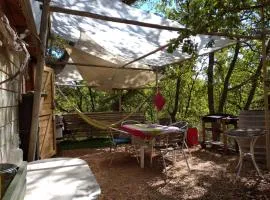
(228, 119)
(148, 130)
(245, 132)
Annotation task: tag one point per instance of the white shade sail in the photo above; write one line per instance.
(118, 43)
(102, 78)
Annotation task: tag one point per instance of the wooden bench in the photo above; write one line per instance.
(75, 127)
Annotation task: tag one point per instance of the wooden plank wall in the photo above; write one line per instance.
(76, 127)
(9, 98)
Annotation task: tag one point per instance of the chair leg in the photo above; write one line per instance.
(174, 157)
(186, 159)
(187, 148)
(112, 152)
(164, 164)
(111, 159)
(151, 155)
(136, 153)
(110, 149)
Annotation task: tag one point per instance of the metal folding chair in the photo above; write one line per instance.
(183, 126)
(171, 143)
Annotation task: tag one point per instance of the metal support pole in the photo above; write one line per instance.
(156, 93)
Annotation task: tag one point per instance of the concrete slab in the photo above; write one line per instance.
(60, 179)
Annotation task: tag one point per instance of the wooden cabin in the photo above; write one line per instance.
(19, 52)
(17, 94)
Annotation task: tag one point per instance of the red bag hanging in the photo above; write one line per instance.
(192, 137)
(159, 101)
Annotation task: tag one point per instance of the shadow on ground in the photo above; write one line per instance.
(212, 176)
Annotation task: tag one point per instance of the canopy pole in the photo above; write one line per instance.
(148, 54)
(265, 88)
(156, 81)
(156, 93)
(38, 82)
(101, 66)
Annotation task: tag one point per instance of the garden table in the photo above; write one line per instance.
(242, 137)
(145, 135)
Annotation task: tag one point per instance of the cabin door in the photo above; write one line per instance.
(47, 139)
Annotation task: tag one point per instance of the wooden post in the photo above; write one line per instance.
(203, 134)
(143, 24)
(38, 82)
(224, 128)
(266, 88)
(157, 92)
(120, 100)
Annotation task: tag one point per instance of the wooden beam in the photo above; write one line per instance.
(101, 66)
(28, 13)
(149, 25)
(74, 85)
(181, 61)
(234, 36)
(112, 19)
(38, 82)
(137, 88)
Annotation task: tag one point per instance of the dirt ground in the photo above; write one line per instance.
(212, 176)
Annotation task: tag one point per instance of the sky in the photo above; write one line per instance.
(148, 6)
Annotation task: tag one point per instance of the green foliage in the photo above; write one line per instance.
(84, 98)
(199, 16)
(87, 99)
(189, 75)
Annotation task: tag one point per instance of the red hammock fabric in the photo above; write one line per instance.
(159, 101)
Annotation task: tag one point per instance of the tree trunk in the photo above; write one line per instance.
(255, 80)
(176, 100)
(80, 96)
(190, 94)
(210, 83)
(92, 99)
(227, 79)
